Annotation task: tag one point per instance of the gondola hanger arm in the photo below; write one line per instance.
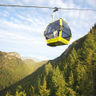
(53, 13)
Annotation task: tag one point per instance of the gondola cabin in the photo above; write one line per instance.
(57, 33)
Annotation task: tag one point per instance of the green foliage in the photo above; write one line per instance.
(56, 82)
(20, 92)
(71, 79)
(8, 94)
(43, 90)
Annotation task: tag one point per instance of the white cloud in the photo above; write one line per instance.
(15, 38)
(55, 3)
(92, 3)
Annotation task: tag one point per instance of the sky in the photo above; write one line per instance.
(22, 29)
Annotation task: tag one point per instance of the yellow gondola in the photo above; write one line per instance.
(57, 33)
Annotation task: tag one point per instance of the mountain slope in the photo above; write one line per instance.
(71, 74)
(13, 68)
(33, 65)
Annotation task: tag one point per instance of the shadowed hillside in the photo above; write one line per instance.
(71, 74)
(13, 68)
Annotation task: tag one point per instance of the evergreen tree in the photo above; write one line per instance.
(56, 83)
(20, 92)
(8, 94)
(71, 79)
(43, 89)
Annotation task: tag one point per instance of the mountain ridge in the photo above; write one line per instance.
(13, 54)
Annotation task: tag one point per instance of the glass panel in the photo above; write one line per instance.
(66, 32)
(64, 35)
(66, 28)
(52, 30)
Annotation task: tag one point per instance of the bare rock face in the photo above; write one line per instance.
(13, 54)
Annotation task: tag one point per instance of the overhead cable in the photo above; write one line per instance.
(46, 7)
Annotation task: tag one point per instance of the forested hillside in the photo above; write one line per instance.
(71, 74)
(13, 68)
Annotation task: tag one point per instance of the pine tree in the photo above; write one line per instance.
(71, 79)
(56, 83)
(43, 89)
(20, 92)
(8, 94)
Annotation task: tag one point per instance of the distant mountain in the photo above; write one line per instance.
(32, 58)
(71, 74)
(13, 68)
(33, 65)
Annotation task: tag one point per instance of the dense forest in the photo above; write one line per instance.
(71, 74)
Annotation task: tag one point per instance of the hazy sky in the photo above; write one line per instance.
(22, 29)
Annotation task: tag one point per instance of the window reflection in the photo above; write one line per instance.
(66, 32)
(52, 30)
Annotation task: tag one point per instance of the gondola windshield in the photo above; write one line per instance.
(52, 30)
(66, 32)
